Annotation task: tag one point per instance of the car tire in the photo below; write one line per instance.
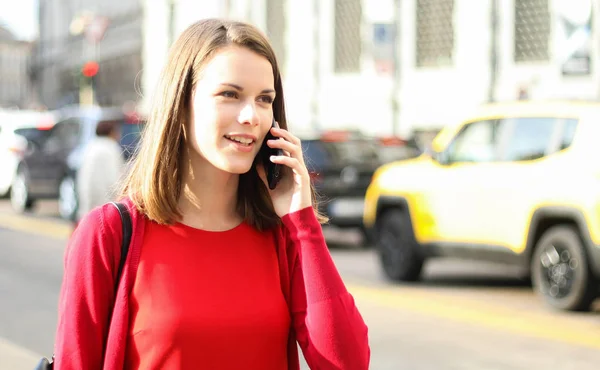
(398, 249)
(560, 270)
(20, 199)
(67, 199)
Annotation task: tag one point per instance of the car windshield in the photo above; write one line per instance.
(321, 153)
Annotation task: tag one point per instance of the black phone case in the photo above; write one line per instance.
(273, 169)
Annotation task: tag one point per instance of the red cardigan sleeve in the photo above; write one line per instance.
(328, 326)
(87, 294)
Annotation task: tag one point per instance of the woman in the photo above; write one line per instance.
(222, 272)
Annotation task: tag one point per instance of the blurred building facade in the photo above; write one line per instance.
(386, 66)
(456, 54)
(107, 32)
(293, 39)
(15, 87)
(395, 66)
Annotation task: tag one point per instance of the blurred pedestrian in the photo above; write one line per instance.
(222, 271)
(101, 168)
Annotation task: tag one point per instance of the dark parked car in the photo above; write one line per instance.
(48, 170)
(341, 165)
(393, 148)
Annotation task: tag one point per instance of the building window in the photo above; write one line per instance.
(435, 32)
(348, 42)
(532, 30)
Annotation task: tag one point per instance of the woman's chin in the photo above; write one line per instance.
(237, 167)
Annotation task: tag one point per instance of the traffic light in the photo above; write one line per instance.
(90, 69)
(87, 82)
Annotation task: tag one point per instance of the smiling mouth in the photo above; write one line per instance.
(240, 140)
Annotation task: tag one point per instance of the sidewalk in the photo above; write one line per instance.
(13, 357)
(56, 229)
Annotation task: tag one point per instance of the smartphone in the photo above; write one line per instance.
(273, 170)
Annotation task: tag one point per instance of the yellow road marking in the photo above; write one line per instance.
(52, 229)
(536, 324)
(15, 357)
(539, 325)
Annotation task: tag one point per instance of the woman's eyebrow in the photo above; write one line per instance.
(239, 88)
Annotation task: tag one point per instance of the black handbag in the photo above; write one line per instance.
(46, 364)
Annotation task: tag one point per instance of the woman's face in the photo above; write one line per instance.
(232, 108)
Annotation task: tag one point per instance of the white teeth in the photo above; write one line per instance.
(243, 140)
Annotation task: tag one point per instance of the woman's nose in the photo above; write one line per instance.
(248, 115)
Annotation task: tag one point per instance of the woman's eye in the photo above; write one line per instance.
(266, 99)
(229, 94)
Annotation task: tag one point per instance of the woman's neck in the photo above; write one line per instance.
(209, 197)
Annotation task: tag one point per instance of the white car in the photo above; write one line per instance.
(16, 126)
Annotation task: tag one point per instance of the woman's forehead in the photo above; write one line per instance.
(240, 66)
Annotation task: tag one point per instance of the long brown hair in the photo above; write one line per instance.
(154, 181)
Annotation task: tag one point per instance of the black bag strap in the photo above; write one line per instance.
(46, 364)
(127, 231)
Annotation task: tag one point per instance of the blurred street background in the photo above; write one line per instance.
(372, 81)
(461, 316)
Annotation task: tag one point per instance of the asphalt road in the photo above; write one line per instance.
(462, 316)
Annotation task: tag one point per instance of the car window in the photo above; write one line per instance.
(64, 135)
(353, 151)
(569, 129)
(315, 154)
(476, 142)
(319, 154)
(530, 138)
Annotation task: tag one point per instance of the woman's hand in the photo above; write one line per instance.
(292, 193)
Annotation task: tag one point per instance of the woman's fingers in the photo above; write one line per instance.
(279, 132)
(291, 148)
(290, 162)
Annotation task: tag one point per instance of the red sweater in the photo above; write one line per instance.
(207, 300)
(325, 321)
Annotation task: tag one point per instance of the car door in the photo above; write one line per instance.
(35, 163)
(456, 213)
(49, 165)
(521, 178)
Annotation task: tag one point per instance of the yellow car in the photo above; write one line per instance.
(517, 183)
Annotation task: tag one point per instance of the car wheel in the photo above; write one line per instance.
(67, 199)
(560, 270)
(399, 252)
(20, 199)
